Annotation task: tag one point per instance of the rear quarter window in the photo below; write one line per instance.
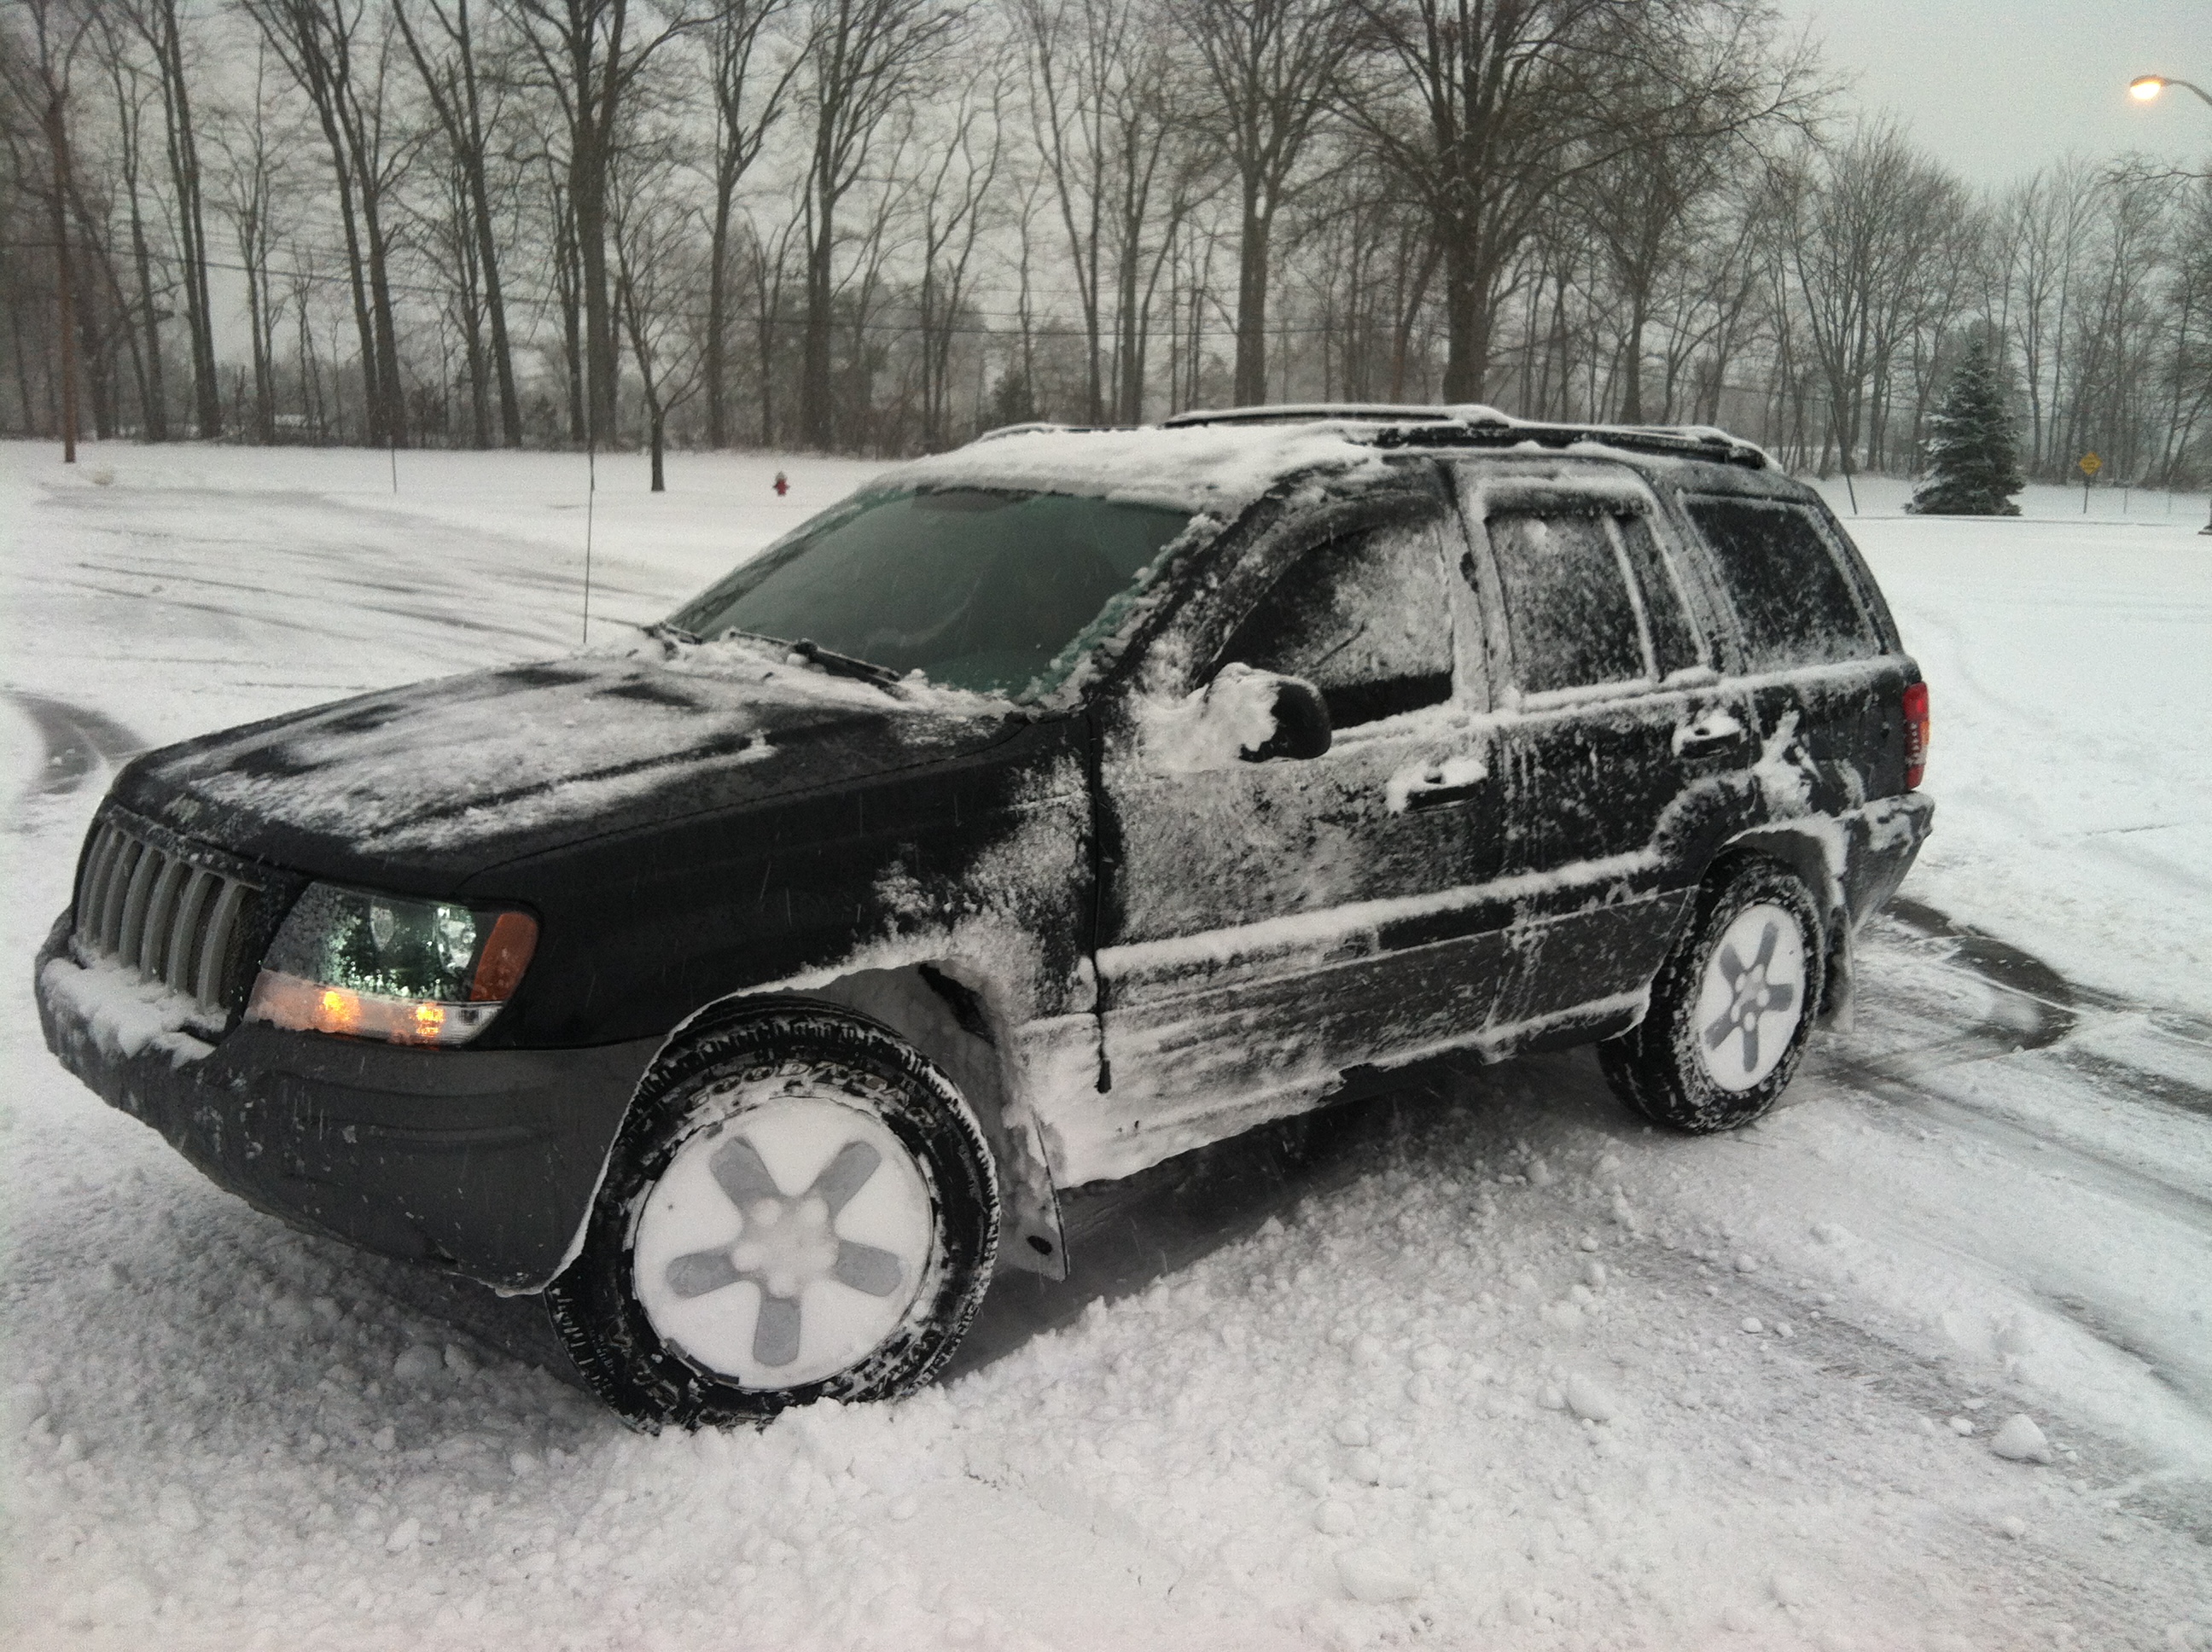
(1793, 600)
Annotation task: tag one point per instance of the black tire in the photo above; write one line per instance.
(1723, 1068)
(702, 1110)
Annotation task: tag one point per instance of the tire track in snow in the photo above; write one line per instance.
(79, 741)
(2039, 1008)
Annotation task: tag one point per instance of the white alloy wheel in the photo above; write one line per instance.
(1751, 996)
(786, 1242)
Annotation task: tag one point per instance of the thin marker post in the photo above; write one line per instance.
(590, 503)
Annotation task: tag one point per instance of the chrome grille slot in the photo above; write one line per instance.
(156, 906)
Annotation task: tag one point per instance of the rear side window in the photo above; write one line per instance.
(1791, 596)
(1365, 618)
(1569, 604)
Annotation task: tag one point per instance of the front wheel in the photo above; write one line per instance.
(800, 1207)
(1730, 1008)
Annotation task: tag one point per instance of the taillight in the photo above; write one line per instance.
(1916, 733)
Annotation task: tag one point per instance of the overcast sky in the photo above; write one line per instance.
(1997, 87)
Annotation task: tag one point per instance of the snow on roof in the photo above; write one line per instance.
(1218, 464)
(1214, 470)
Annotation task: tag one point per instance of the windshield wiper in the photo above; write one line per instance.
(668, 631)
(845, 665)
(815, 654)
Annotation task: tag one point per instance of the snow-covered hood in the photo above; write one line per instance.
(418, 788)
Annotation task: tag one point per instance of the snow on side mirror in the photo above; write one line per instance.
(1302, 726)
(1242, 715)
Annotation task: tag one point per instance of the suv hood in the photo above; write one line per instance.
(418, 787)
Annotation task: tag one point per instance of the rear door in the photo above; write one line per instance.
(1612, 716)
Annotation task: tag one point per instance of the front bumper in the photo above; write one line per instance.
(483, 1163)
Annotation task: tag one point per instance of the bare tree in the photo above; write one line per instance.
(1685, 124)
(657, 270)
(1121, 145)
(127, 81)
(466, 100)
(1080, 58)
(1858, 233)
(863, 57)
(591, 56)
(769, 268)
(744, 111)
(249, 181)
(156, 22)
(40, 83)
(1487, 108)
(1270, 65)
(953, 215)
(339, 55)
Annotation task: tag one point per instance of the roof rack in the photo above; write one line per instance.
(1358, 412)
(1473, 425)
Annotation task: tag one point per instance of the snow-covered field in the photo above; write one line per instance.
(1486, 1364)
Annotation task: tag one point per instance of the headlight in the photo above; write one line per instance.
(376, 966)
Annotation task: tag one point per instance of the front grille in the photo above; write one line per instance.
(155, 906)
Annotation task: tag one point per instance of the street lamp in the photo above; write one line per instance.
(2144, 87)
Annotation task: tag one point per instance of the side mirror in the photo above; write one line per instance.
(1302, 726)
(1242, 715)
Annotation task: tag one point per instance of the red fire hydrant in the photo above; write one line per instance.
(782, 486)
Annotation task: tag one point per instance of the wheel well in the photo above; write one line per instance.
(952, 1024)
(1807, 856)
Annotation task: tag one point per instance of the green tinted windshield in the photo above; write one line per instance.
(977, 589)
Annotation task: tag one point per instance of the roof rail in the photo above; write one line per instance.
(1357, 412)
(1473, 425)
(1671, 441)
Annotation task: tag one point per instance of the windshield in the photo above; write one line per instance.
(995, 590)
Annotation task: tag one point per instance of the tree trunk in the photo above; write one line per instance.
(1631, 375)
(717, 340)
(817, 414)
(1252, 305)
(1467, 340)
(567, 285)
(502, 355)
(153, 401)
(192, 222)
(64, 297)
(387, 331)
(587, 195)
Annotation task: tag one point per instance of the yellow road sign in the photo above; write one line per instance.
(2091, 465)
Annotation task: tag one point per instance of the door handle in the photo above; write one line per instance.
(1432, 784)
(1710, 734)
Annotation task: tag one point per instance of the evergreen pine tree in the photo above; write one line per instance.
(1973, 467)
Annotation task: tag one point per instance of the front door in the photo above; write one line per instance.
(1270, 923)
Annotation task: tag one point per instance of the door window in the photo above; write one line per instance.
(1676, 644)
(1792, 601)
(1569, 605)
(1365, 618)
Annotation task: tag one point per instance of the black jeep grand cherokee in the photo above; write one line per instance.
(1049, 808)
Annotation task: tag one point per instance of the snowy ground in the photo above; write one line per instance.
(1538, 1376)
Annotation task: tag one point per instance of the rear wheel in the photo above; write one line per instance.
(800, 1207)
(1731, 1007)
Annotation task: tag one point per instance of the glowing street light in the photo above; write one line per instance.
(2145, 88)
